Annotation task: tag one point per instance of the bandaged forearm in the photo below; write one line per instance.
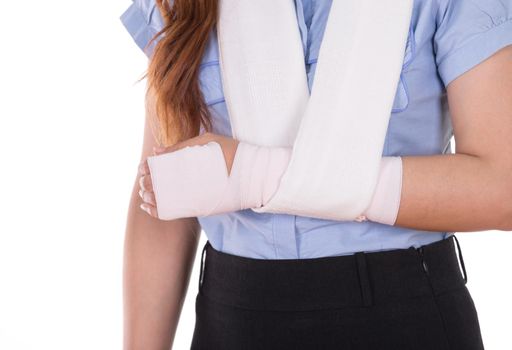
(385, 202)
(386, 198)
(194, 181)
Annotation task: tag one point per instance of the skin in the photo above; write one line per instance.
(470, 190)
(228, 145)
(158, 260)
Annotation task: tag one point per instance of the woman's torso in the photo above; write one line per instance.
(446, 38)
(419, 125)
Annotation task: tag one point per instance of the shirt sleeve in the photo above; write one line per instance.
(142, 20)
(468, 32)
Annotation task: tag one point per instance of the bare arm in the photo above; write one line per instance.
(472, 189)
(158, 259)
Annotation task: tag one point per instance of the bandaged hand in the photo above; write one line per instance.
(210, 174)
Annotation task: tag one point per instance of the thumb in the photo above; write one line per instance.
(159, 149)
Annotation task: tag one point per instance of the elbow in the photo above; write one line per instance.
(507, 222)
(499, 188)
(507, 219)
(506, 206)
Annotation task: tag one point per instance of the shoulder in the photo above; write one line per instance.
(486, 13)
(142, 19)
(468, 32)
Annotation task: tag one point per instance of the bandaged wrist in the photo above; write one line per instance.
(194, 180)
(386, 199)
(188, 182)
(260, 170)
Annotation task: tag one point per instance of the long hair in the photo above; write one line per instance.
(173, 69)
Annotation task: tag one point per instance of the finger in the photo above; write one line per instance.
(151, 210)
(147, 197)
(199, 140)
(143, 168)
(159, 149)
(145, 183)
(175, 147)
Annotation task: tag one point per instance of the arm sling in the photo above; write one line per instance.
(338, 131)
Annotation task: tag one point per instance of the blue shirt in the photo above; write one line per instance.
(446, 38)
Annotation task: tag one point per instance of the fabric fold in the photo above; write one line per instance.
(338, 132)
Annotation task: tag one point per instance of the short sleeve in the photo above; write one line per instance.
(142, 20)
(468, 32)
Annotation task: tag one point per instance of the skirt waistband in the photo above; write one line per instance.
(361, 279)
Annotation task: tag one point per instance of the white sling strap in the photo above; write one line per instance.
(263, 72)
(338, 132)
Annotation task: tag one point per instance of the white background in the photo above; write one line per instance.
(71, 126)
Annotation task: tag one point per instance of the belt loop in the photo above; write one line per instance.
(201, 266)
(461, 260)
(364, 280)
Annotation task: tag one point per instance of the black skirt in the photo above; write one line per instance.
(398, 299)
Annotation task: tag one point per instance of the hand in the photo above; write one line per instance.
(228, 145)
